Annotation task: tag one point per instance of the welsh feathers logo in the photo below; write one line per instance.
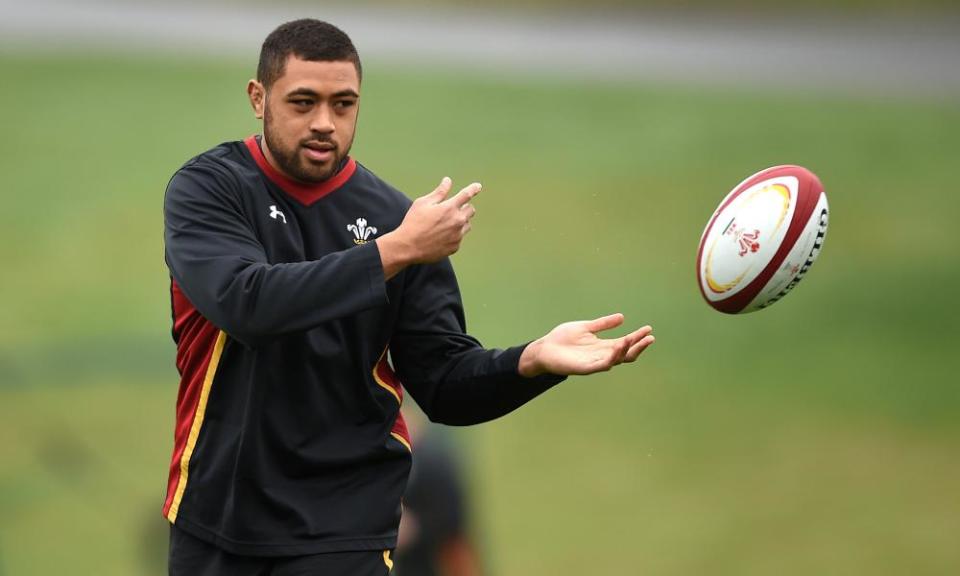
(747, 239)
(361, 232)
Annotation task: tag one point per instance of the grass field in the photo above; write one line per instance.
(817, 437)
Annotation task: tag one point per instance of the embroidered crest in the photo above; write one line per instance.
(361, 232)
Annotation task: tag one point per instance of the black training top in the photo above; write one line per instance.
(288, 437)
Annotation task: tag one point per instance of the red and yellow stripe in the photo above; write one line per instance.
(384, 376)
(186, 438)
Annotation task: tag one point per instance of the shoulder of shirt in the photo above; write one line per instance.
(365, 177)
(224, 166)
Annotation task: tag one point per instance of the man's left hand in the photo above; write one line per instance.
(574, 348)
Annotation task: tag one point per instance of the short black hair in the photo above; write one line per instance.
(308, 39)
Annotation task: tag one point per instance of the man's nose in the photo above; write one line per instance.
(322, 120)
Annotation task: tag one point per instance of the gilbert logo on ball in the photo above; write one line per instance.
(762, 239)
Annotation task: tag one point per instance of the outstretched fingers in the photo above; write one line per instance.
(440, 192)
(638, 335)
(605, 323)
(465, 195)
(636, 349)
(620, 349)
(629, 347)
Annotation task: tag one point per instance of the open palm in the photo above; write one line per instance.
(575, 348)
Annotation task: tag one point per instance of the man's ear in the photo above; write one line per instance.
(258, 97)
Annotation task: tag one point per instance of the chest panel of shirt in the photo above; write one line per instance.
(360, 211)
(350, 216)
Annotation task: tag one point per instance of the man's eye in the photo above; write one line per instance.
(301, 103)
(344, 104)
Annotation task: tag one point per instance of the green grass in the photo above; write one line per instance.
(819, 436)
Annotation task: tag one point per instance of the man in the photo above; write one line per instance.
(304, 291)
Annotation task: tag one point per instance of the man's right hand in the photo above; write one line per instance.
(432, 229)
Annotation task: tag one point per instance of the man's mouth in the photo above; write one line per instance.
(319, 151)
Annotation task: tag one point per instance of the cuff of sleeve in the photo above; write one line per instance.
(511, 358)
(374, 267)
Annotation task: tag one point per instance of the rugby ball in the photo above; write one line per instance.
(762, 239)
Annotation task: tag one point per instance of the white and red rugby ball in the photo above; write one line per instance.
(762, 239)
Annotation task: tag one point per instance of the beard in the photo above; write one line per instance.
(291, 160)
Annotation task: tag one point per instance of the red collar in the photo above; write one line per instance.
(306, 194)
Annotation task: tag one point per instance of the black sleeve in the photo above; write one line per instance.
(215, 257)
(450, 375)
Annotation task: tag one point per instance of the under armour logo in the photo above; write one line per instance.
(274, 213)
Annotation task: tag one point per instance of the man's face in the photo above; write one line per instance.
(309, 117)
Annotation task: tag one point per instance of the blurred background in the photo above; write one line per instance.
(817, 437)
